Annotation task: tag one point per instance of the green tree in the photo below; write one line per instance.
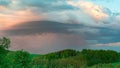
(100, 56)
(5, 42)
(71, 62)
(22, 59)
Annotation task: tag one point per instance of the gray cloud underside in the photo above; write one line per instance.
(100, 34)
(45, 36)
(39, 27)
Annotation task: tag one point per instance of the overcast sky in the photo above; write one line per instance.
(42, 26)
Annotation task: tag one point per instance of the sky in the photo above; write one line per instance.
(43, 26)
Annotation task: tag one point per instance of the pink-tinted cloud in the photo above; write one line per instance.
(3, 8)
(17, 17)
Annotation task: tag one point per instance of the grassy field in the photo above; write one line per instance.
(33, 55)
(110, 65)
(116, 64)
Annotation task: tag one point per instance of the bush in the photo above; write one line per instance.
(71, 62)
(100, 56)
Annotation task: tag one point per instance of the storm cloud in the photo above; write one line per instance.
(41, 27)
(102, 34)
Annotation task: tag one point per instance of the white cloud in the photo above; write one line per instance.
(95, 11)
(109, 44)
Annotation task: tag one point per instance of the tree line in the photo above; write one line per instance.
(61, 59)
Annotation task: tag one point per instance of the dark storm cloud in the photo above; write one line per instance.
(106, 35)
(109, 35)
(39, 27)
